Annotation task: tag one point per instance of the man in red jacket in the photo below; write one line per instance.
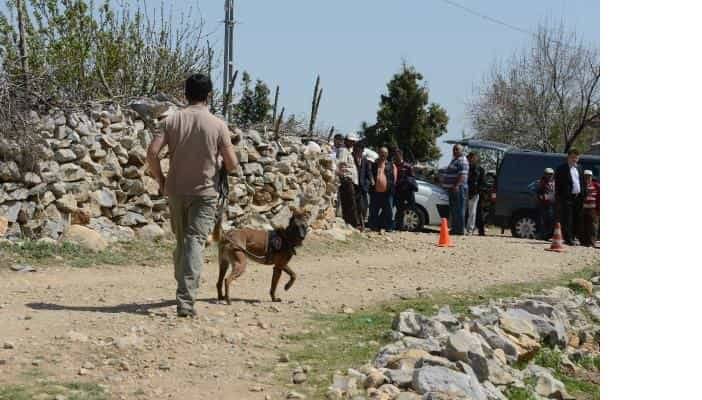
(546, 194)
(591, 209)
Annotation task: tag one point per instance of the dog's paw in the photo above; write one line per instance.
(288, 285)
(276, 299)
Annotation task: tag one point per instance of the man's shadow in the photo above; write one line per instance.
(130, 308)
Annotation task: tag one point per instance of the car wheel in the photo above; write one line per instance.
(410, 219)
(524, 227)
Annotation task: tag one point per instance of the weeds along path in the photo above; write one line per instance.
(113, 329)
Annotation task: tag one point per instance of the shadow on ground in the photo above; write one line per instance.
(130, 308)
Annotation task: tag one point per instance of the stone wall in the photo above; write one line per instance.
(91, 171)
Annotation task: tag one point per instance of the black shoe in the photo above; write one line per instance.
(187, 313)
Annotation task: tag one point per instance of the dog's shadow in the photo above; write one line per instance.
(129, 308)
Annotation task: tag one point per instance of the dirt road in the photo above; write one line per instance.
(116, 325)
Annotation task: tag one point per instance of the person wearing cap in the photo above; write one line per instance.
(546, 194)
(570, 192)
(591, 210)
(348, 176)
(337, 145)
(365, 181)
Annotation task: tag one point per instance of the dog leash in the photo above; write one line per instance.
(223, 191)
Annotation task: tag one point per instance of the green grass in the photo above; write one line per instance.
(72, 391)
(577, 386)
(339, 341)
(132, 252)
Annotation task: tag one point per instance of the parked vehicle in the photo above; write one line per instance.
(518, 177)
(431, 204)
(514, 189)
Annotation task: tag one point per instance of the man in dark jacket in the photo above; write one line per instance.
(385, 177)
(365, 181)
(570, 191)
(476, 181)
(406, 183)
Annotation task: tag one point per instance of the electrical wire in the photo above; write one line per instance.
(486, 17)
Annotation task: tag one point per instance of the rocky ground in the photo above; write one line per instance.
(115, 327)
(502, 349)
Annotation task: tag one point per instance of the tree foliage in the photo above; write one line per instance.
(406, 119)
(77, 51)
(546, 97)
(254, 107)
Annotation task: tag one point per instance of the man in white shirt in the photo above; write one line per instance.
(569, 196)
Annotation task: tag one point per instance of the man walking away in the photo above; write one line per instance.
(406, 184)
(385, 176)
(570, 188)
(591, 210)
(346, 169)
(455, 181)
(195, 140)
(476, 180)
(365, 181)
(546, 196)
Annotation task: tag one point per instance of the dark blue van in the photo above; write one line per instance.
(517, 174)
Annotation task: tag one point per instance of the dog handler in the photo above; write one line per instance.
(195, 139)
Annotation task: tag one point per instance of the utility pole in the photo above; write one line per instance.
(228, 50)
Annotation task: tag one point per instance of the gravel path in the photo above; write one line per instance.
(116, 325)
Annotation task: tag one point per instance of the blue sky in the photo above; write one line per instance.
(356, 46)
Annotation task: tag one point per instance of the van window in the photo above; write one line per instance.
(521, 169)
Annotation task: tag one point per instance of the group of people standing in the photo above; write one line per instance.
(463, 180)
(571, 196)
(370, 190)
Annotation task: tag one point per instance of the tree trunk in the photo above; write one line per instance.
(277, 124)
(313, 115)
(23, 45)
(275, 103)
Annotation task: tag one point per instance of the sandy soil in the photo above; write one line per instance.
(117, 326)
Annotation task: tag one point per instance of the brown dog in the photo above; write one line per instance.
(266, 247)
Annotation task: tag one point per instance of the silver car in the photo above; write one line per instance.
(431, 204)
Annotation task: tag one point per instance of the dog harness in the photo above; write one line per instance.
(273, 244)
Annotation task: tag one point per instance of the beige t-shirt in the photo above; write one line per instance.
(195, 139)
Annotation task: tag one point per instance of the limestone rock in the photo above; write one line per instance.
(4, 223)
(518, 323)
(150, 232)
(467, 347)
(85, 237)
(71, 172)
(444, 380)
(9, 171)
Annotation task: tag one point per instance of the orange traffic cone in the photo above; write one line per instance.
(444, 237)
(557, 240)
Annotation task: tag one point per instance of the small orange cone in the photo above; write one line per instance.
(444, 237)
(557, 240)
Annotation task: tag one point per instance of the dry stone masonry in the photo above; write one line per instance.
(482, 356)
(91, 172)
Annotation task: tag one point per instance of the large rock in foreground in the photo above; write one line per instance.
(446, 381)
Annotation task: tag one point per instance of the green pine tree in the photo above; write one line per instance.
(262, 103)
(406, 119)
(254, 106)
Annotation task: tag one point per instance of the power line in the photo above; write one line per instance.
(505, 24)
(487, 17)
